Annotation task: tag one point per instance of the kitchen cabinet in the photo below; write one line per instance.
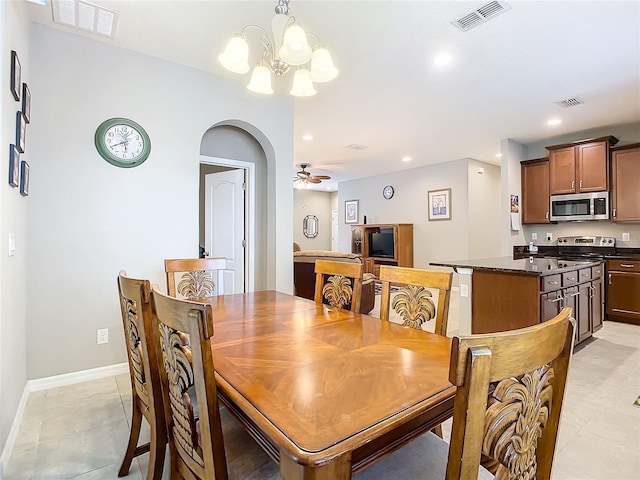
(623, 291)
(625, 175)
(581, 290)
(535, 190)
(580, 167)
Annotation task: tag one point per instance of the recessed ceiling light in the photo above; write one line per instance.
(554, 121)
(498, 155)
(307, 137)
(442, 59)
(406, 159)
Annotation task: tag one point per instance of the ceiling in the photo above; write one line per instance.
(503, 81)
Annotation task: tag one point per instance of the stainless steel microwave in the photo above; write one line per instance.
(579, 206)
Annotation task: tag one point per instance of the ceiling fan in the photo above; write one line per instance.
(303, 176)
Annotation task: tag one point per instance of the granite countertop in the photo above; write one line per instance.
(629, 253)
(525, 266)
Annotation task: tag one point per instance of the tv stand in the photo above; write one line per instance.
(402, 245)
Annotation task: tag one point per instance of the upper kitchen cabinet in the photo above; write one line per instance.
(535, 191)
(580, 167)
(625, 183)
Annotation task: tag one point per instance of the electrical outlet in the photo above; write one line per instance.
(103, 336)
(549, 236)
(534, 236)
(625, 237)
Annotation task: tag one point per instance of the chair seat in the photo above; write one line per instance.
(425, 458)
(245, 459)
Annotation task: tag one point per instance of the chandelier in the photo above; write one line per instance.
(286, 47)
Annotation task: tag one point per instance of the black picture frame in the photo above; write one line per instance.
(24, 179)
(14, 166)
(21, 131)
(26, 103)
(16, 71)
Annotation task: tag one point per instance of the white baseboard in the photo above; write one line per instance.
(53, 382)
(77, 377)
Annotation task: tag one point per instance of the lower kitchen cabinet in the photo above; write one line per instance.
(623, 291)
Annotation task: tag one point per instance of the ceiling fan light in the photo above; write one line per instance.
(261, 80)
(295, 49)
(302, 84)
(322, 69)
(235, 55)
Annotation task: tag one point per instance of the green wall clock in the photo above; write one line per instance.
(122, 142)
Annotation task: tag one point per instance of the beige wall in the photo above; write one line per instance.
(88, 219)
(14, 30)
(312, 202)
(435, 240)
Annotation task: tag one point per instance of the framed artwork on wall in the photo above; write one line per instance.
(351, 211)
(15, 75)
(21, 130)
(24, 179)
(14, 166)
(439, 204)
(26, 103)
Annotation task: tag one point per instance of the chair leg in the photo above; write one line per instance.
(156, 454)
(134, 434)
(438, 430)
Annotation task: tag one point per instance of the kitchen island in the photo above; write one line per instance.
(503, 293)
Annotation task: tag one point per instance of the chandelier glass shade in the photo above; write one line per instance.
(286, 46)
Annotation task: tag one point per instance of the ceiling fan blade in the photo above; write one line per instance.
(314, 180)
(322, 177)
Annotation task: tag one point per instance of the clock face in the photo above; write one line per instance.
(387, 192)
(122, 142)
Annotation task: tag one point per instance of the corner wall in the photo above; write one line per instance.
(89, 219)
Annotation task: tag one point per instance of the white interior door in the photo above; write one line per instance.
(334, 230)
(225, 224)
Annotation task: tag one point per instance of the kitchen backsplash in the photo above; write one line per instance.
(602, 228)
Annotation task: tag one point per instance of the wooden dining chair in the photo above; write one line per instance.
(194, 278)
(338, 284)
(510, 389)
(205, 443)
(135, 297)
(413, 301)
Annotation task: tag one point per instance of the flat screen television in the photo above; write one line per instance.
(381, 243)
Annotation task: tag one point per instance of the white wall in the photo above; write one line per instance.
(14, 29)
(312, 202)
(89, 219)
(484, 208)
(436, 240)
(512, 154)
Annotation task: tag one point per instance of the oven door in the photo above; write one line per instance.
(580, 206)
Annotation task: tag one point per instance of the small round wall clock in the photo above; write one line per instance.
(122, 142)
(387, 192)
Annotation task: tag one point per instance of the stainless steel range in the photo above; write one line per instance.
(584, 247)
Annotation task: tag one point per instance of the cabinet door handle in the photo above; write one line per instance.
(609, 279)
(614, 213)
(573, 295)
(627, 265)
(556, 300)
(573, 184)
(571, 278)
(591, 291)
(580, 184)
(547, 216)
(552, 282)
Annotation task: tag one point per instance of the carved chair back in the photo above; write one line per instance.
(182, 331)
(338, 284)
(194, 278)
(413, 301)
(135, 298)
(509, 399)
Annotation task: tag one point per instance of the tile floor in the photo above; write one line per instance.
(80, 431)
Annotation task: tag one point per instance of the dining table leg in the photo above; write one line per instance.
(339, 468)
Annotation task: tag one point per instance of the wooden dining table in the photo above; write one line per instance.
(325, 391)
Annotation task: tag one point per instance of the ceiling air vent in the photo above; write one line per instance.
(570, 102)
(355, 146)
(480, 15)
